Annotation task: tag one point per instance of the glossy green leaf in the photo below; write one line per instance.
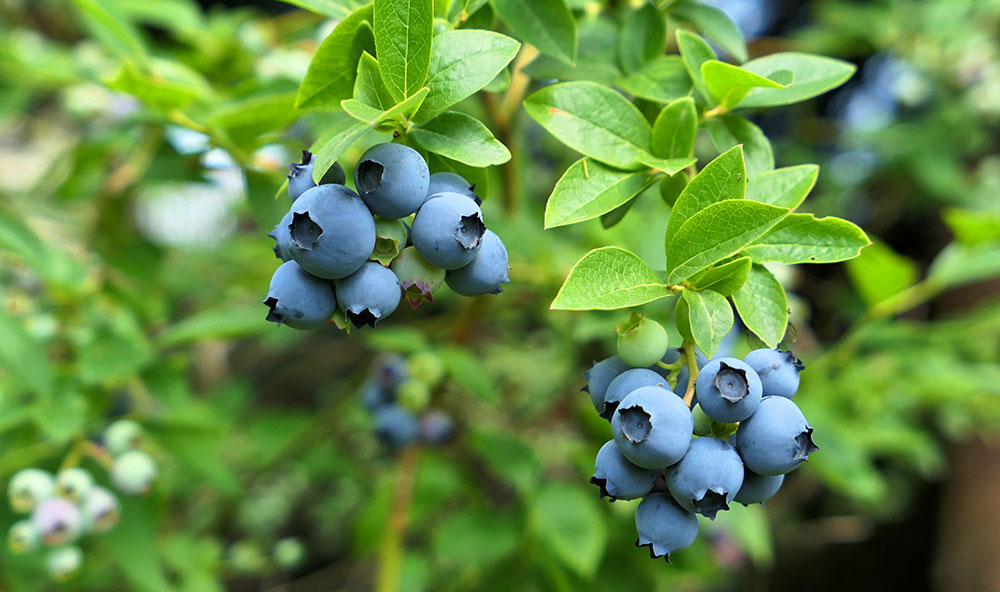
(662, 80)
(462, 62)
(694, 53)
(812, 75)
(569, 524)
(331, 74)
(710, 318)
(682, 319)
(879, 273)
(675, 129)
(729, 84)
(369, 88)
(329, 8)
(589, 189)
(460, 137)
(609, 278)
(730, 130)
(804, 238)
(474, 538)
(403, 30)
(716, 232)
(725, 278)
(714, 24)
(786, 187)
(547, 24)
(643, 36)
(596, 58)
(763, 306)
(959, 264)
(973, 227)
(117, 33)
(723, 178)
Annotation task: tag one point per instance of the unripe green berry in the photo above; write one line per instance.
(28, 487)
(426, 366)
(641, 341)
(418, 278)
(22, 537)
(414, 394)
(133, 472)
(390, 239)
(122, 435)
(100, 510)
(288, 553)
(62, 563)
(74, 484)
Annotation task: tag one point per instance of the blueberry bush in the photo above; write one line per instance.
(475, 208)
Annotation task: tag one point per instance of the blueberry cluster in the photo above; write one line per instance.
(67, 505)
(404, 232)
(398, 395)
(740, 437)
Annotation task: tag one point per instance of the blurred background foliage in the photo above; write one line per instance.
(141, 146)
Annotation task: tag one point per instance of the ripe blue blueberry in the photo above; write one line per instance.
(396, 426)
(334, 175)
(332, 232)
(663, 526)
(63, 562)
(776, 438)
(282, 236)
(74, 484)
(133, 472)
(369, 294)
(617, 477)
(728, 390)
(436, 427)
(778, 371)
(707, 478)
(599, 377)
(22, 537)
(300, 176)
(652, 427)
(454, 183)
(28, 487)
(486, 271)
(641, 341)
(374, 395)
(299, 299)
(392, 179)
(390, 370)
(56, 520)
(418, 278)
(101, 510)
(448, 230)
(757, 489)
(122, 435)
(625, 383)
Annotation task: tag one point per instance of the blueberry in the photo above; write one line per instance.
(392, 179)
(599, 377)
(672, 356)
(757, 489)
(101, 509)
(641, 341)
(299, 299)
(22, 537)
(300, 176)
(427, 366)
(28, 487)
(776, 438)
(288, 553)
(334, 175)
(625, 383)
(454, 183)
(282, 236)
(122, 435)
(728, 390)
(486, 271)
(332, 232)
(56, 520)
(707, 478)
(652, 427)
(436, 427)
(74, 484)
(617, 477)
(63, 562)
(374, 395)
(368, 295)
(133, 472)
(390, 369)
(390, 239)
(778, 371)
(663, 526)
(418, 278)
(448, 230)
(414, 394)
(396, 426)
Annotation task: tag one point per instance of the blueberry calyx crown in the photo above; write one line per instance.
(732, 383)
(636, 423)
(805, 445)
(470, 231)
(710, 504)
(305, 233)
(294, 169)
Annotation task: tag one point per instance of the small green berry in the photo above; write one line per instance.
(390, 239)
(28, 487)
(122, 435)
(133, 472)
(22, 537)
(74, 484)
(62, 563)
(289, 552)
(641, 341)
(56, 520)
(426, 366)
(101, 510)
(414, 394)
(245, 557)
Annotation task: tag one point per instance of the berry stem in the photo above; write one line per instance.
(673, 367)
(74, 456)
(692, 363)
(391, 555)
(99, 454)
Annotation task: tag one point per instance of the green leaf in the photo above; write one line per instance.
(714, 24)
(880, 273)
(329, 8)
(607, 279)
(117, 33)
(723, 178)
(500, 83)
(662, 80)
(331, 74)
(460, 137)
(724, 279)
(593, 120)
(694, 53)
(369, 88)
(670, 166)
(547, 24)
(360, 111)
(959, 264)
(973, 227)
(804, 238)
(462, 62)
(730, 130)
(682, 319)
(812, 75)
(403, 30)
(710, 317)
(750, 528)
(588, 189)
(23, 356)
(716, 232)
(786, 187)
(675, 129)
(763, 306)
(569, 524)
(729, 84)
(612, 218)
(130, 545)
(643, 37)
(468, 372)
(155, 91)
(475, 537)
(224, 323)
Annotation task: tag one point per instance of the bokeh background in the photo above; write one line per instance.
(133, 259)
